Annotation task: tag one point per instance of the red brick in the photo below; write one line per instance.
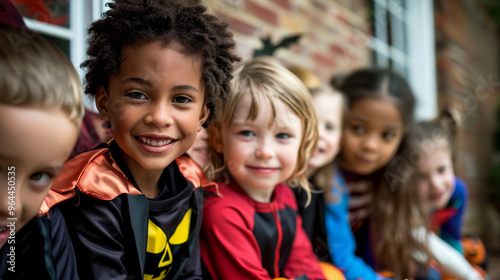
(312, 18)
(261, 12)
(320, 5)
(239, 26)
(284, 3)
(324, 60)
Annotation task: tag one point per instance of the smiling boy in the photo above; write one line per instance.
(157, 70)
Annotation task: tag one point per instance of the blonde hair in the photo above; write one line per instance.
(267, 80)
(323, 177)
(37, 73)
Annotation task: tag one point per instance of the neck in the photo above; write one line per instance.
(146, 180)
(259, 195)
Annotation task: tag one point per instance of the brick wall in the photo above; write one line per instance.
(334, 36)
(467, 51)
(334, 41)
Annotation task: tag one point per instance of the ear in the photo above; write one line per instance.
(205, 112)
(102, 104)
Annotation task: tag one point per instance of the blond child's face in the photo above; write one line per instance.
(155, 105)
(34, 145)
(199, 151)
(260, 156)
(374, 129)
(329, 111)
(436, 179)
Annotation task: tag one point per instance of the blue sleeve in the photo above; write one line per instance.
(451, 231)
(341, 242)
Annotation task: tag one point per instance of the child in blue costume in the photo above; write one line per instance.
(374, 161)
(41, 108)
(157, 70)
(319, 216)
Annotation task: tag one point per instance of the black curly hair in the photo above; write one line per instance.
(138, 22)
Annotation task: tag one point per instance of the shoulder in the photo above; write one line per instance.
(283, 194)
(460, 185)
(230, 203)
(460, 191)
(459, 195)
(94, 173)
(192, 172)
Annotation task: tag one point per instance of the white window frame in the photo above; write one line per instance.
(81, 14)
(420, 61)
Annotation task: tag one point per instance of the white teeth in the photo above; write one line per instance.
(155, 143)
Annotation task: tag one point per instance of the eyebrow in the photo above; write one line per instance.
(391, 127)
(149, 84)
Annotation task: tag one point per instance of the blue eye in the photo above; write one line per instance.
(246, 133)
(136, 95)
(329, 127)
(182, 99)
(283, 136)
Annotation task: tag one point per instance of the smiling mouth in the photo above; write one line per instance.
(263, 170)
(155, 143)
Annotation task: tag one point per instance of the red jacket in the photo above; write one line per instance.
(245, 239)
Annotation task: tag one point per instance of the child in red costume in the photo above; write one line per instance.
(263, 137)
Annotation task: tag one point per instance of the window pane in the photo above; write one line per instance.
(397, 33)
(379, 22)
(61, 43)
(50, 11)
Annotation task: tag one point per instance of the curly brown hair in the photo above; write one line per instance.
(138, 22)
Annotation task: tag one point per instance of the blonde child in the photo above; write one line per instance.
(443, 196)
(199, 151)
(41, 108)
(374, 161)
(263, 138)
(156, 69)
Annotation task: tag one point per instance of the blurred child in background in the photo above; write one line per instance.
(199, 151)
(374, 162)
(41, 109)
(328, 226)
(443, 195)
(263, 138)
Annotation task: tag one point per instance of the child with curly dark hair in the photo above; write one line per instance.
(157, 70)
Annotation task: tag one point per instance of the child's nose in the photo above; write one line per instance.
(264, 150)
(370, 142)
(159, 115)
(435, 181)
